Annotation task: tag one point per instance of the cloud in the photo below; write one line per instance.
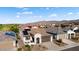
(40, 16)
(77, 13)
(70, 13)
(47, 8)
(18, 13)
(37, 16)
(52, 15)
(25, 12)
(17, 16)
(25, 9)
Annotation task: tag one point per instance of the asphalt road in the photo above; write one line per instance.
(72, 49)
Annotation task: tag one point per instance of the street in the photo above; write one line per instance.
(72, 49)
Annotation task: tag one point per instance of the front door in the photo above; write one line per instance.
(37, 40)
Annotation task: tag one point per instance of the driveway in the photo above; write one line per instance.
(50, 46)
(53, 47)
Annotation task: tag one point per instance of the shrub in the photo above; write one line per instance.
(60, 40)
(75, 38)
(19, 49)
(27, 47)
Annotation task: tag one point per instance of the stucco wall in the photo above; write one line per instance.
(62, 36)
(45, 38)
(77, 34)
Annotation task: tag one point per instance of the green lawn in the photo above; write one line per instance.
(7, 27)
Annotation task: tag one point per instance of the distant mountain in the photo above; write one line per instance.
(54, 22)
(75, 22)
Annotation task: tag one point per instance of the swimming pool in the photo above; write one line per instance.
(10, 33)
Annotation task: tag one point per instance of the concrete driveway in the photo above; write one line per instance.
(53, 47)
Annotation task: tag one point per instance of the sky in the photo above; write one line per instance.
(34, 14)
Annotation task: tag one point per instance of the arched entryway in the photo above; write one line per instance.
(70, 34)
(37, 38)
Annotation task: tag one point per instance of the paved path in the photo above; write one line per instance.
(68, 41)
(53, 47)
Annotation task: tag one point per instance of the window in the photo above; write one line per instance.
(27, 37)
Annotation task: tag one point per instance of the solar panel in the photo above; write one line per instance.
(26, 29)
(25, 32)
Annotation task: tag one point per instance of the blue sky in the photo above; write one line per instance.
(34, 14)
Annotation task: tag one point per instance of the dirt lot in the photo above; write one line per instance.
(6, 45)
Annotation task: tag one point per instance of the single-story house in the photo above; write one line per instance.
(62, 33)
(56, 33)
(40, 35)
(71, 32)
(34, 36)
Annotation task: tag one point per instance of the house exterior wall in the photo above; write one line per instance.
(61, 36)
(69, 34)
(51, 38)
(76, 34)
(46, 38)
(23, 38)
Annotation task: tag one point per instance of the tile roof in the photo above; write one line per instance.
(40, 31)
(55, 30)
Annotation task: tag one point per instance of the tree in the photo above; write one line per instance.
(1, 26)
(15, 29)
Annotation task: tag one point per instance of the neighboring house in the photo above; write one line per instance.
(63, 33)
(72, 32)
(34, 27)
(7, 42)
(56, 33)
(76, 30)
